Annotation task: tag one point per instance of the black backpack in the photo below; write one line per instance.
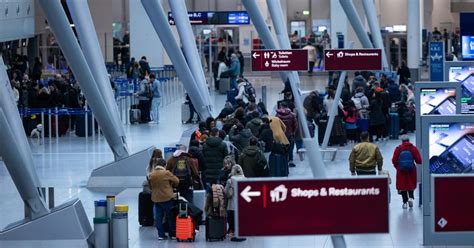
(250, 92)
(182, 170)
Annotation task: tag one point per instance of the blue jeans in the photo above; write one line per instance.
(161, 210)
(233, 83)
(155, 109)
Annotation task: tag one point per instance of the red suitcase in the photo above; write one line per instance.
(184, 225)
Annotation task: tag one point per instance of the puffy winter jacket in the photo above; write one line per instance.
(289, 118)
(254, 126)
(240, 139)
(214, 151)
(252, 161)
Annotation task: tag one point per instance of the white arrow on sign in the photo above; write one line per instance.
(255, 55)
(246, 194)
(328, 54)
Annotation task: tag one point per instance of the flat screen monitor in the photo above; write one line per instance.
(451, 148)
(464, 74)
(467, 44)
(438, 101)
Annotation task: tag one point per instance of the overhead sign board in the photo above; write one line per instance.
(280, 60)
(353, 60)
(215, 18)
(454, 203)
(273, 207)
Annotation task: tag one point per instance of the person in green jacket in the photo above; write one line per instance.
(252, 160)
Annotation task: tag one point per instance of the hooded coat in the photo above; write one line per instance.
(406, 180)
(289, 118)
(214, 151)
(252, 161)
(254, 126)
(240, 139)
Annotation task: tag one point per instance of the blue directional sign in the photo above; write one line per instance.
(436, 61)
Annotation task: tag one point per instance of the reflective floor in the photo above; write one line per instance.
(66, 163)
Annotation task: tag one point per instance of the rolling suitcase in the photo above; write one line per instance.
(224, 85)
(278, 165)
(185, 113)
(145, 209)
(184, 224)
(199, 199)
(216, 228)
(135, 114)
(394, 125)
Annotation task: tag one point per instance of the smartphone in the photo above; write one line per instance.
(446, 107)
(468, 85)
(457, 158)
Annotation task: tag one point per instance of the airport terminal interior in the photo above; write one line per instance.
(236, 123)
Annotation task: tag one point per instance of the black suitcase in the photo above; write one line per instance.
(278, 165)
(145, 209)
(216, 228)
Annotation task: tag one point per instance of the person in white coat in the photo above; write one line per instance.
(312, 54)
(241, 95)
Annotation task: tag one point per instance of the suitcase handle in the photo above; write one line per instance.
(183, 211)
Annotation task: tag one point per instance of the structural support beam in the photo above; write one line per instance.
(59, 24)
(15, 150)
(314, 154)
(333, 110)
(180, 15)
(356, 23)
(85, 29)
(413, 37)
(371, 13)
(159, 20)
(262, 28)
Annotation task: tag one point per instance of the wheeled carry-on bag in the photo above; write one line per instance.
(224, 85)
(184, 224)
(394, 125)
(145, 209)
(135, 114)
(216, 228)
(278, 165)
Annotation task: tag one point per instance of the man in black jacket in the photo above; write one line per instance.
(214, 151)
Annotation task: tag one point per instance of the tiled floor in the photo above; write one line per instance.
(66, 165)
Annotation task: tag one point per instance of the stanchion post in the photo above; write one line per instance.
(86, 123)
(49, 125)
(93, 126)
(42, 123)
(57, 123)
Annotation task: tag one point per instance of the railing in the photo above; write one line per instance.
(171, 90)
(49, 118)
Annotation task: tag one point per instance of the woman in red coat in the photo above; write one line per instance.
(406, 180)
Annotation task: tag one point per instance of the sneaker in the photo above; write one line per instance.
(162, 238)
(173, 238)
(410, 202)
(404, 206)
(235, 239)
(291, 164)
(152, 122)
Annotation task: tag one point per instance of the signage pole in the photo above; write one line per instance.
(333, 110)
(315, 157)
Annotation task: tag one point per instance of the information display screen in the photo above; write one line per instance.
(215, 18)
(467, 43)
(438, 101)
(464, 75)
(451, 148)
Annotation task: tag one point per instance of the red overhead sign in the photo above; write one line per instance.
(454, 204)
(353, 60)
(280, 60)
(309, 206)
